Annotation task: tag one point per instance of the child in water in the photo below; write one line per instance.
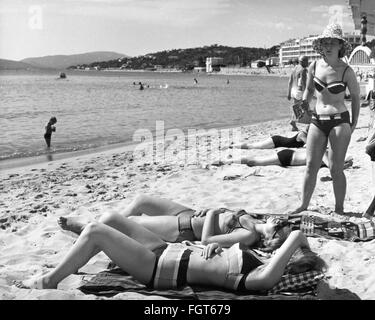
(49, 129)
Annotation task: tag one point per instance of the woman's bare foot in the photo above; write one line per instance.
(39, 283)
(71, 224)
(296, 211)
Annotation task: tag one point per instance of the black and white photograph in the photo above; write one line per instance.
(165, 151)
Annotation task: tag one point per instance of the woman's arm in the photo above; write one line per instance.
(290, 83)
(271, 274)
(309, 91)
(354, 94)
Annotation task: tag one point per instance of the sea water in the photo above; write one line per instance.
(95, 109)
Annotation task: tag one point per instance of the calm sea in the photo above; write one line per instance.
(95, 109)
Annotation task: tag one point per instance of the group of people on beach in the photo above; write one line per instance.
(153, 238)
(328, 135)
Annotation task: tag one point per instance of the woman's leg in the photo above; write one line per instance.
(271, 274)
(165, 227)
(153, 206)
(263, 161)
(251, 161)
(132, 255)
(315, 148)
(264, 144)
(339, 139)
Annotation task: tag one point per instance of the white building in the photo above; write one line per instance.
(213, 64)
(292, 49)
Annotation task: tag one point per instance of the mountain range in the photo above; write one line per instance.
(60, 61)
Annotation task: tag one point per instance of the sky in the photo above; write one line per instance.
(33, 28)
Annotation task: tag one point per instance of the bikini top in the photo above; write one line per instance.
(236, 221)
(335, 87)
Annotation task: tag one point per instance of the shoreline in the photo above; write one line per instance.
(19, 162)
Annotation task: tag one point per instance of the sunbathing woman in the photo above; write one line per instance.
(297, 141)
(174, 222)
(159, 265)
(284, 158)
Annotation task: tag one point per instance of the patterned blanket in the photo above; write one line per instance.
(314, 226)
(111, 282)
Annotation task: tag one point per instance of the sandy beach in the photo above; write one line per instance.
(33, 197)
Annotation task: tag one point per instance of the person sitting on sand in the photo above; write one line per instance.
(174, 222)
(159, 265)
(276, 141)
(49, 129)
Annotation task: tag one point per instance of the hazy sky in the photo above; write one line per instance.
(30, 28)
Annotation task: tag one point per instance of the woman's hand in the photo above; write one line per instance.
(210, 249)
(204, 212)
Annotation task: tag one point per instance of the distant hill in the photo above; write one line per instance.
(64, 61)
(187, 59)
(14, 65)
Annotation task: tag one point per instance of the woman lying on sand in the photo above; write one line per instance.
(297, 141)
(284, 158)
(159, 265)
(174, 222)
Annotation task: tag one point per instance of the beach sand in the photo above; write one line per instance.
(32, 198)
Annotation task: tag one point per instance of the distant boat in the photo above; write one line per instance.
(62, 75)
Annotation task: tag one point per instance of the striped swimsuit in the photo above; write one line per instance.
(171, 267)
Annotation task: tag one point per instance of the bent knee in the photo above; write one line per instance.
(109, 217)
(141, 199)
(92, 229)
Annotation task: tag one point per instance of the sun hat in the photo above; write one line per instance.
(332, 31)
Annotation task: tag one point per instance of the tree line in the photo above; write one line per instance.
(188, 59)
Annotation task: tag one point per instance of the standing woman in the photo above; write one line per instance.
(329, 78)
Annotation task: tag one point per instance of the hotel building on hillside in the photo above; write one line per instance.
(292, 49)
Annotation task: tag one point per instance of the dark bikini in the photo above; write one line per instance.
(327, 122)
(285, 157)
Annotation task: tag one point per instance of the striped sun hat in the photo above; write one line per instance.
(332, 31)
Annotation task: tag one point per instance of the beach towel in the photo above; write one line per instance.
(292, 286)
(314, 226)
(111, 282)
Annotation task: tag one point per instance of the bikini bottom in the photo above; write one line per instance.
(240, 263)
(170, 269)
(327, 122)
(285, 157)
(184, 226)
